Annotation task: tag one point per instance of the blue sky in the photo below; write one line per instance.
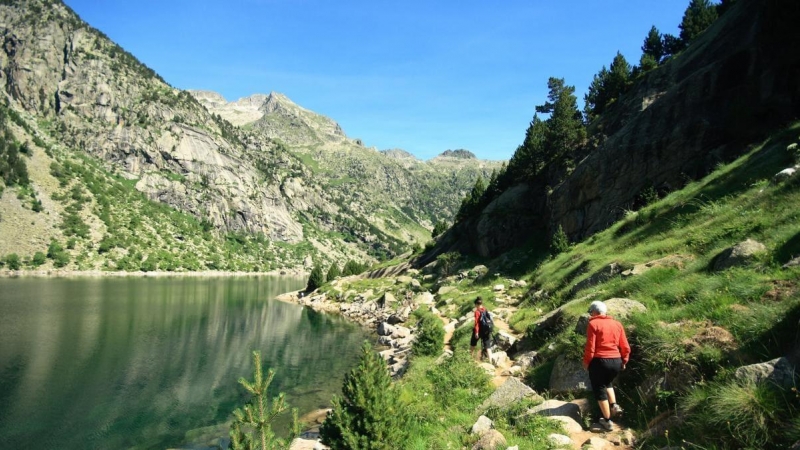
(424, 76)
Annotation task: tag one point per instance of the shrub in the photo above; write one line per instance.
(430, 337)
(38, 259)
(333, 272)
(369, 415)
(61, 259)
(560, 242)
(13, 262)
(447, 261)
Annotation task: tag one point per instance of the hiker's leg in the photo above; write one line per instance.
(611, 397)
(472, 351)
(485, 344)
(605, 409)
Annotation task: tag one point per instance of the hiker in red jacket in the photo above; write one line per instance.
(482, 332)
(605, 355)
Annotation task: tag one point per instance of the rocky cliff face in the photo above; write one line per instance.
(734, 84)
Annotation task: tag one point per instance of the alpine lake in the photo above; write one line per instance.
(154, 362)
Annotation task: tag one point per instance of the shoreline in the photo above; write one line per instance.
(56, 273)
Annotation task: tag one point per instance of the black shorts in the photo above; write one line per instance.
(484, 338)
(602, 372)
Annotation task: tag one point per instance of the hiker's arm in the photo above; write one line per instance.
(624, 347)
(477, 322)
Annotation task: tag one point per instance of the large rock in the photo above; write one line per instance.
(503, 340)
(387, 299)
(596, 443)
(384, 329)
(307, 444)
(425, 298)
(401, 332)
(482, 425)
(739, 255)
(674, 261)
(568, 376)
(559, 440)
(779, 371)
(606, 273)
(622, 308)
(498, 359)
(527, 359)
(510, 392)
(570, 425)
(557, 408)
(490, 440)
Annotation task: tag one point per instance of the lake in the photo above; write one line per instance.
(112, 363)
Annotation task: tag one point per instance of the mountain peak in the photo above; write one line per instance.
(458, 153)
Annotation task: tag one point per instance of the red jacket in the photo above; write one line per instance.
(605, 338)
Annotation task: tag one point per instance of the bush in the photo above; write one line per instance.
(38, 259)
(61, 259)
(369, 415)
(13, 262)
(560, 242)
(430, 337)
(333, 272)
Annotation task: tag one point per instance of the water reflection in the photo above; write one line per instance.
(118, 363)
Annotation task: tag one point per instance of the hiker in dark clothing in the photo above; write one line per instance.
(482, 330)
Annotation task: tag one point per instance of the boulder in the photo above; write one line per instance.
(394, 319)
(307, 444)
(488, 368)
(384, 329)
(385, 340)
(568, 376)
(499, 288)
(518, 283)
(415, 284)
(404, 279)
(557, 408)
(483, 425)
(479, 271)
(622, 308)
(779, 371)
(794, 262)
(490, 440)
(512, 371)
(504, 340)
(387, 354)
(425, 298)
(445, 290)
(498, 359)
(675, 261)
(559, 440)
(527, 359)
(509, 393)
(784, 174)
(400, 332)
(740, 254)
(387, 299)
(570, 425)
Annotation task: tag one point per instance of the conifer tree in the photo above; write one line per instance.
(565, 130)
(653, 45)
(252, 425)
(369, 414)
(315, 279)
(439, 228)
(618, 76)
(333, 272)
(697, 17)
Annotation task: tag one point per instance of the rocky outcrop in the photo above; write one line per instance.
(740, 254)
(780, 372)
(568, 376)
(509, 393)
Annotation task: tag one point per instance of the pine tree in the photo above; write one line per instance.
(333, 272)
(618, 76)
(369, 415)
(653, 45)
(315, 279)
(439, 228)
(565, 131)
(531, 156)
(697, 17)
(252, 425)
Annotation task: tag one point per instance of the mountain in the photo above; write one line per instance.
(126, 169)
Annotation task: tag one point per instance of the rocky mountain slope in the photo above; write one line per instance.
(735, 83)
(262, 172)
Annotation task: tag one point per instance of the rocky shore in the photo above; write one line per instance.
(57, 273)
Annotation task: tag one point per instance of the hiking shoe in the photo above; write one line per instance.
(606, 424)
(616, 411)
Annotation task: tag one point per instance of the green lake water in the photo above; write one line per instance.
(115, 363)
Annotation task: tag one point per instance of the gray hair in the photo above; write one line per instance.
(598, 307)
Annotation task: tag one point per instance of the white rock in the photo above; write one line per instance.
(559, 440)
(499, 359)
(499, 288)
(483, 425)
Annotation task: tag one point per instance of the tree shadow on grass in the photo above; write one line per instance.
(790, 249)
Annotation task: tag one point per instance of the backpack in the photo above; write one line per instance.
(485, 321)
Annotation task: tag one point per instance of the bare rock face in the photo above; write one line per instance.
(779, 371)
(568, 376)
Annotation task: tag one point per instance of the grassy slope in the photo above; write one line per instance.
(700, 324)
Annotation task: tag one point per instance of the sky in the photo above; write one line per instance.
(423, 76)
